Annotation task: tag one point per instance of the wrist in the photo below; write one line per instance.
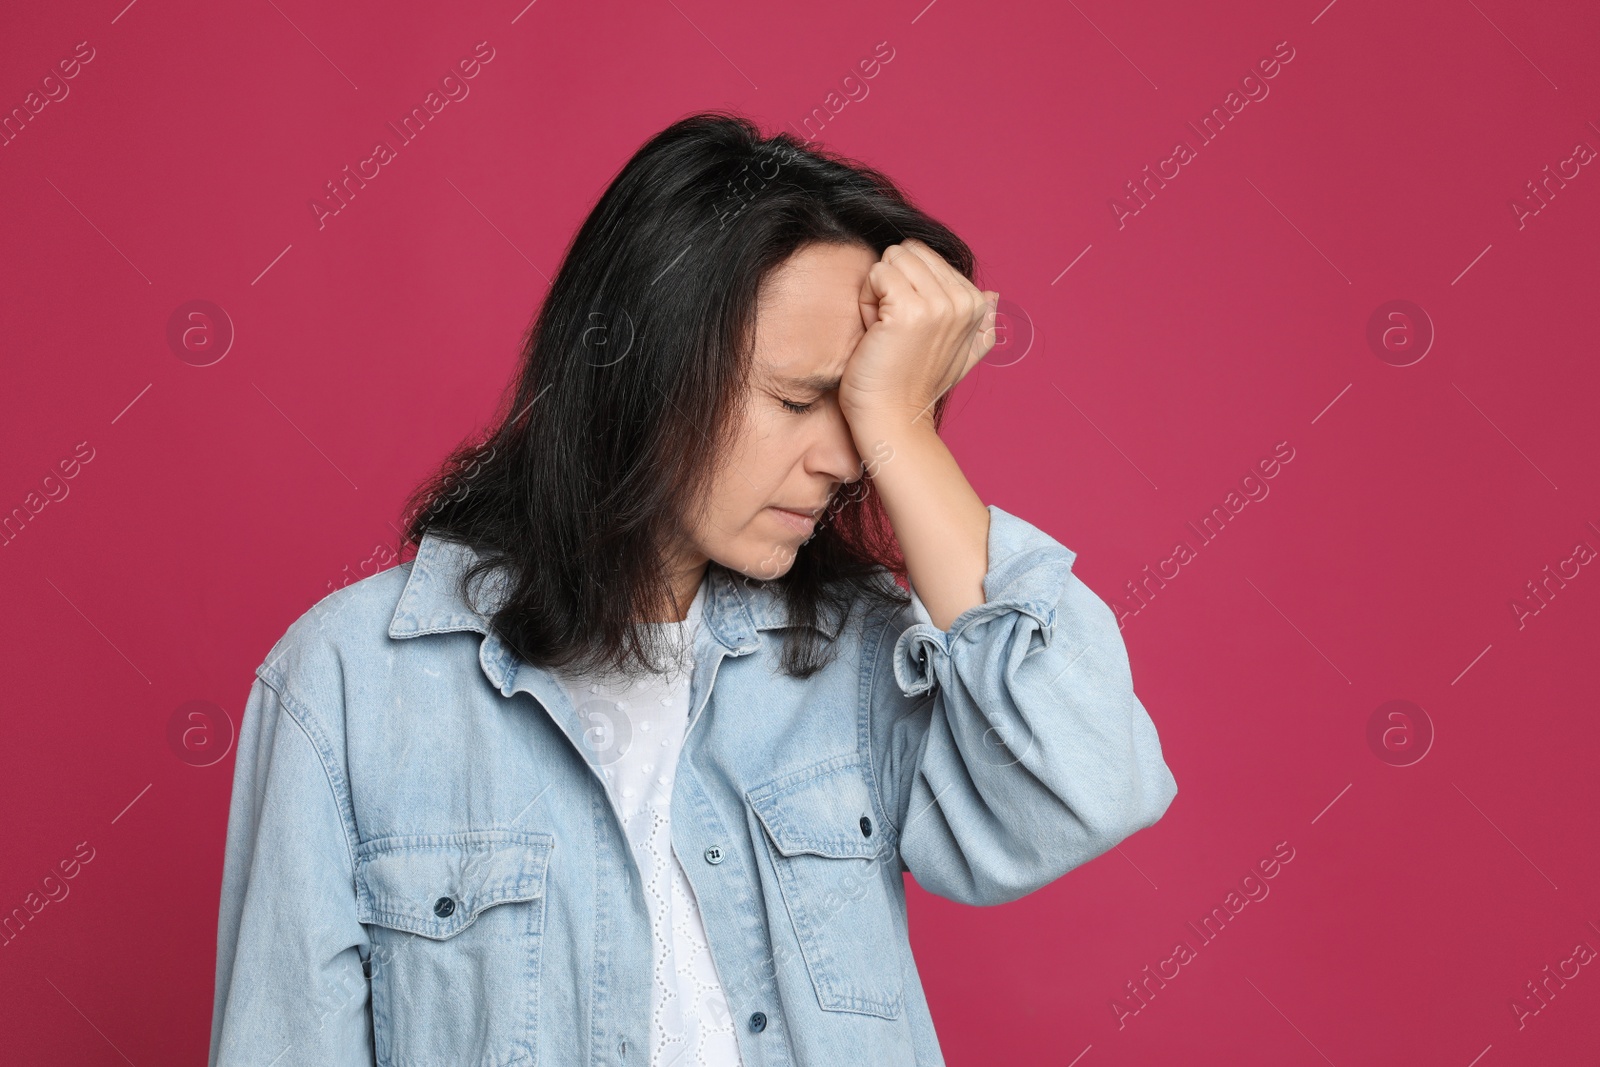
(896, 452)
(880, 421)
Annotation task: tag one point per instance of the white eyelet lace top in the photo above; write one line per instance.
(635, 728)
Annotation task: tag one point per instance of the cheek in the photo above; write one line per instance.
(738, 493)
(738, 533)
(765, 457)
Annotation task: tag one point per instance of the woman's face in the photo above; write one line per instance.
(807, 325)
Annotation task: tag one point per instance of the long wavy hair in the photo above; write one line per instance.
(632, 385)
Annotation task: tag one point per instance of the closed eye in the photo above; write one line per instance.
(798, 409)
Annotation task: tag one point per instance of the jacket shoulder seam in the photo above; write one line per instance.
(301, 716)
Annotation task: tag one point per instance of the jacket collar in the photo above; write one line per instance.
(734, 611)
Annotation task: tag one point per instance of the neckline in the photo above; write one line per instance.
(692, 616)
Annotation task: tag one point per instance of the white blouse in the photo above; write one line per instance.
(634, 727)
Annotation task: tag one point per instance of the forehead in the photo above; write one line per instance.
(808, 317)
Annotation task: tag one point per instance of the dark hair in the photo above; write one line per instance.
(630, 387)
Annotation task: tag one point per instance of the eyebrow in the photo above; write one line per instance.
(819, 383)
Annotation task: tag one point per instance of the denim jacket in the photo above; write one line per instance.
(424, 869)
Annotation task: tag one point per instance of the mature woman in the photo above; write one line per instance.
(626, 765)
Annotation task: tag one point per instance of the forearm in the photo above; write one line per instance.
(942, 526)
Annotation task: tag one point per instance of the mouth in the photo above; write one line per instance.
(800, 520)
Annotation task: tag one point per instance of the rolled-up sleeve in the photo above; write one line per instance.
(1010, 748)
(291, 986)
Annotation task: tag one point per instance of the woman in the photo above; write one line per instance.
(626, 765)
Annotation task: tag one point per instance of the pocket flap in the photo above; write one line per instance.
(820, 810)
(436, 884)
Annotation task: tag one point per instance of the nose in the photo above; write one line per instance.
(833, 451)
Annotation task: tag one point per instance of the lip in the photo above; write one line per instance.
(802, 522)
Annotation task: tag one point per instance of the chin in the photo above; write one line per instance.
(767, 562)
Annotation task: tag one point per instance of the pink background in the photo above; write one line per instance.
(1171, 353)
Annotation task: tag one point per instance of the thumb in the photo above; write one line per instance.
(868, 300)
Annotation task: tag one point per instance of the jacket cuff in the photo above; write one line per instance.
(1027, 578)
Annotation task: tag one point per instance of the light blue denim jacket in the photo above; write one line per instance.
(423, 868)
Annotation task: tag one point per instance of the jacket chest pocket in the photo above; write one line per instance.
(832, 856)
(456, 923)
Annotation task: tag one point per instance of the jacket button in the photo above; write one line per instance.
(866, 826)
(444, 907)
(714, 854)
(758, 1021)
